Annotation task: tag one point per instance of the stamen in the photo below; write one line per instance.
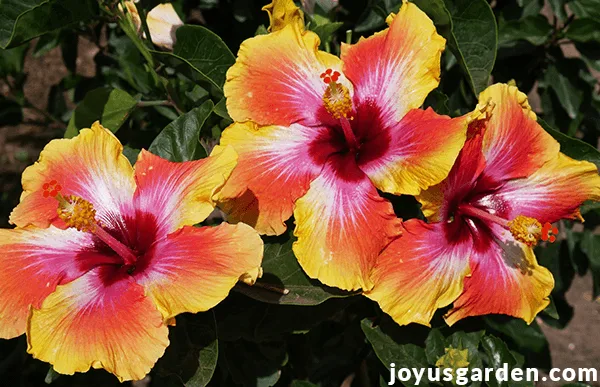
(525, 229)
(549, 233)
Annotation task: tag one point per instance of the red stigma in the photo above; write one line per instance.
(330, 76)
(549, 233)
(51, 189)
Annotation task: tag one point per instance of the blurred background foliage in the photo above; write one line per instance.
(172, 103)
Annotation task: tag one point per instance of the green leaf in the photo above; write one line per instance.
(526, 336)
(180, 140)
(282, 271)
(12, 61)
(22, 20)
(203, 334)
(474, 39)
(590, 245)
(326, 30)
(109, 106)
(558, 7)
(205, 52)
(585, 8)
(533, 29)
(568, 93)
(584, 30)
(389, 351)
(498, 354)
(302, 383)
(434, 346)
(573, 147)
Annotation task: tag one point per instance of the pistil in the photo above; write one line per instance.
(338, 103)
(524, 229)
(81, 215)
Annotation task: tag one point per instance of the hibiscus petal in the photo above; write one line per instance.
(101, 320)
(179, 194)
(421, 271)
(91, 166)
(505, 279)
(416, 153)
(275, 167)
(438, 201)
(282, 91)
(515, 145)
(194, 269)
(395, 69)
(41, 259)
(162, 22)
(342, 225)
(553, 192)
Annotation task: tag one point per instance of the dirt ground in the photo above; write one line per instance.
(576, 346)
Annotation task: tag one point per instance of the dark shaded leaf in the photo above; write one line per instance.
(590, 245)
(584, 30)
(282, 271)
(573, 147)
(389, 351)
(533, 29)
(109, 106)
(22, 20)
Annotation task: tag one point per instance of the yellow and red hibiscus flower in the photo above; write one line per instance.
(318, 135)
(105, 255)
(509, 183)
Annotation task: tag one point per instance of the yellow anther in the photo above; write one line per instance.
(77, 212)
(337, 100)
(525, 229)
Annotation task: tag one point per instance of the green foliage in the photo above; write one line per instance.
(289, 329)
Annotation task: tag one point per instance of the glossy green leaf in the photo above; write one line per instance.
(22, 20)
(389, 351)
(474, 39)
(180, 140)
(282, 271)
(205, 52)
(109, 106)
(558, 7)
(529, 336)
(573, 147)
(584, 30)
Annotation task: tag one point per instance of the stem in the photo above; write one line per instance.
(348, 36)
(349, 134)
(153, 103)
(481, 214)
(124, 252)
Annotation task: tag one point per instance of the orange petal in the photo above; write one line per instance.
(395, 69)
(414, 154)
(421, 271)
(282, 91)
(276, 165)
(101, 320)
(33, 262)
(180, 194)
(505, 279)
(515, 145)
(194, 269)
(342, 225)
(90, 165)
(553, 192)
